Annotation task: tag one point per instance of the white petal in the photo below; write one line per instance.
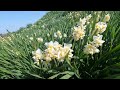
(38, 51)
(55, 35)
(46, 44)
(97, 50)
(56, 43)
(100, 36)
(33, 52)
(50, 43)
(67, 45)
(95, 37)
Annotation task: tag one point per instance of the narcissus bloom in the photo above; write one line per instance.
(78, 33)
(55, 35)
(48, 34)
(37, 55)
(58, 34)
(85, 19)
(52, 44)
(65, 52)
(31, 38)
(100, 27)
(40, 39)
(106, 18)
(65, 35)
(56, 51)
(88, 17)
(51, 51)
(90, 49)
(82, 21)
(97, 40)
(68, 50)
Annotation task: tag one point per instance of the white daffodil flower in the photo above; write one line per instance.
(106, 18)
(90, 49)
(97, 40)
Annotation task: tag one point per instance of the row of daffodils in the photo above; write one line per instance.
(100, 27)
(56, 51)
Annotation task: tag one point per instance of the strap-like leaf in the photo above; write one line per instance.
(66, 72)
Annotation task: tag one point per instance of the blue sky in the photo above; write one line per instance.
(13, 20)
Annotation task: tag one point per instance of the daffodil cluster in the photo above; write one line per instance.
(79, 31)
(58, 34)
(53, 51)
(92, 47)
(56, 51)
(40, 39)
(100, 27)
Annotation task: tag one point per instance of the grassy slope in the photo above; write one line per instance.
(16, 58)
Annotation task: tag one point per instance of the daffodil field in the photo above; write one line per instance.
(64, 45)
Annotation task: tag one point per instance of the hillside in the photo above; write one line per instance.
(32, 52)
